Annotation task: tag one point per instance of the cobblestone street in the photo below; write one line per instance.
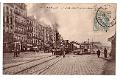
(78, 65)
(8, 58)
(46, 64)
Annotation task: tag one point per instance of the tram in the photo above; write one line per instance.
(61, 47)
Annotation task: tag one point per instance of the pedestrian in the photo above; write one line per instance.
(98, 53)
(105, 53)
(15, 50)
(52, 50)
(63, 53)
(63, 49)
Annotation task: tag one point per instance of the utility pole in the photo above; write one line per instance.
(55, 37)
(88, 40)
(92, 45)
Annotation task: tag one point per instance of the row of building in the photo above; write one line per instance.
(18, 27)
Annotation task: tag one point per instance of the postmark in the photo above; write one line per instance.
(104, 18)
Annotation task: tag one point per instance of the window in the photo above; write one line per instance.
(16, 29)
(11, 27)
(4, 19)
(7, 10)
(16, 18)
(7, 19)
(11, 20)
(29, 34)
(23, 38)
(4, 9)
(10, 11)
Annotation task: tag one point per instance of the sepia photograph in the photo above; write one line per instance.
(59, 38)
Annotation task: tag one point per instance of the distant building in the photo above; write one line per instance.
(39, 34)
(90, 47)
(96, 45)
(29, 32)
(113, 46)
(48, 35)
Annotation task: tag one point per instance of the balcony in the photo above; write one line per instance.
(21, 20)
(20, 31)
(20, 12)
(21, 5)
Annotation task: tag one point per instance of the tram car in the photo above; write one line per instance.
(85, 49)
(61, 47)
(57, 51)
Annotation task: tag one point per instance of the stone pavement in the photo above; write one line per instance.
(9, 58)
(24, 68)
(70, 65)
(109, 68)
(77, 65)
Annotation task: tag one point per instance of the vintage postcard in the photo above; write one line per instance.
(59, 38)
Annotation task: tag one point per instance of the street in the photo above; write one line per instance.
(48, 64)
(78, 65)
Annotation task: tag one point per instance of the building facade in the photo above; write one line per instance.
(14, 22)
(20, 33)
(8, 26)
(113, 46)
(34, 32)
(18, 27)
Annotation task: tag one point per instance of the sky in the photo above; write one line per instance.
(74, 24)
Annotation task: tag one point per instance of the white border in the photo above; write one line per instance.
(117, 76)
(59, 1)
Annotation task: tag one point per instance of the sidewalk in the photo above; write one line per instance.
(109, 68)
(24, 56)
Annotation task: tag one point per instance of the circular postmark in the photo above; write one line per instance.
(105, 17)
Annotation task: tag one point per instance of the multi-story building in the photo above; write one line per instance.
(34, 33)
(14, 25)
(20, 34)
(49, 35)
(8, 26)
(18, 27)
(41, 36)
(29, 31)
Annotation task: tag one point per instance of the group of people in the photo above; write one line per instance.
(105, 53)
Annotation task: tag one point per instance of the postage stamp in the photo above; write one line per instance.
(104, 17)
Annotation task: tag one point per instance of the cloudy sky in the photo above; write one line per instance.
(74, 24)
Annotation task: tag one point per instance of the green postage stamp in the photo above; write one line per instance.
(105, 17)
